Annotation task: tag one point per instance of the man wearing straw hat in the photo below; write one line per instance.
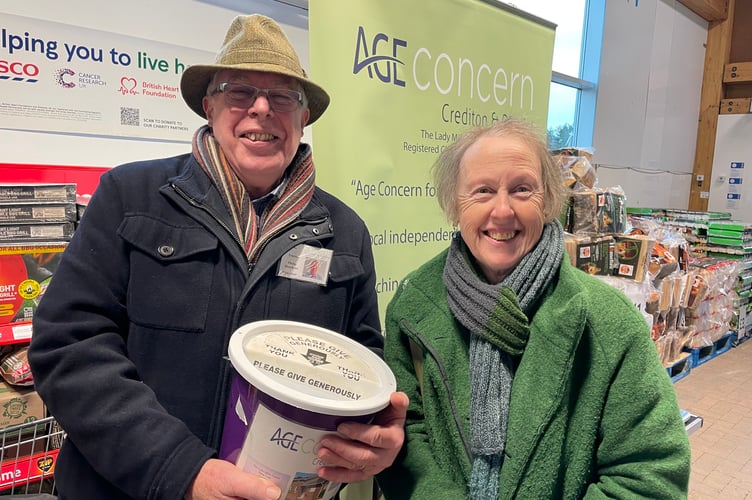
(172, 256)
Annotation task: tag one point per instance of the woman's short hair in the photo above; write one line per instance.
(446, 169)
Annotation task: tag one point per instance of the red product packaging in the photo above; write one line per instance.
(25, 273)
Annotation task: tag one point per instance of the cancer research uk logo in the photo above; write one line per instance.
(68, 79)
(61, 75)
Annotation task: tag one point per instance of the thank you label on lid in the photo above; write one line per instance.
(312, 366)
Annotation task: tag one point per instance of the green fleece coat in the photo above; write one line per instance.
(593, 413)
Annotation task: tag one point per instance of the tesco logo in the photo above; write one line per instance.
(18, 70)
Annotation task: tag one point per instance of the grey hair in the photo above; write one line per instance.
(445, 170)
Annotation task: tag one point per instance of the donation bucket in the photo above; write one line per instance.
(293, 383)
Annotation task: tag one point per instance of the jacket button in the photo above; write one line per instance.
(315, 231)
(165, 250)
(293, 237)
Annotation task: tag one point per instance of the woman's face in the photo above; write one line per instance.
(500, 198)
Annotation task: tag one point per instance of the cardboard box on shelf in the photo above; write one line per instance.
(19, 405)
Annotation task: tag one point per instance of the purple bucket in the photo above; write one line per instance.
(292, 384)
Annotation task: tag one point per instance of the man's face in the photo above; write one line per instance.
(258, 142)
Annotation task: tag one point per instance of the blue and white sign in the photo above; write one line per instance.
(61, 78)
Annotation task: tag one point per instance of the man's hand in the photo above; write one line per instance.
(221, 480)
(359, 452)
(365, 449)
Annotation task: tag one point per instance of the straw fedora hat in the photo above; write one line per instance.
(255, 43)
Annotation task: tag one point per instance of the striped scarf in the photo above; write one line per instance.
(497, 318)
(254, 229)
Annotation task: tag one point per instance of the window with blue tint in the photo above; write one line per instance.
(576, 64)
(562, 116)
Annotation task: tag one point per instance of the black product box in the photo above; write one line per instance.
(632, 253)
(26, 232)
(65, 193)
(37, 212)
(611, 212)
(590, 253)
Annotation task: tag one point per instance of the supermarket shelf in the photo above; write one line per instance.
(704, 354)
(15, 333)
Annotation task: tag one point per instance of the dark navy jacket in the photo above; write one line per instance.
(130, 339)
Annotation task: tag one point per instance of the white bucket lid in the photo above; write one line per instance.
(311, 368)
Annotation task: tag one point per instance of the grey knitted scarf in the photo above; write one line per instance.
(497, 317)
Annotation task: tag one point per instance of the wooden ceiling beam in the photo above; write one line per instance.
(710, 10)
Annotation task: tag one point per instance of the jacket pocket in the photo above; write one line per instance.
(327, 306)
(171, 273)
(345, 268)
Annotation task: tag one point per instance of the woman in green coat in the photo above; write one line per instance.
(527, 377)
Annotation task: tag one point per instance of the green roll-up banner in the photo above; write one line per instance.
(405, 79)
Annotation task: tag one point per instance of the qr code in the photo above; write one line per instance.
(129, 116)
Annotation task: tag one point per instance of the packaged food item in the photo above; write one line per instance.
(25, 273)
(583, 171)
(37, 212)
(582, 212)
(611, 212)
(576, 168)
(56, 192)
(41, 231)
(590, 253)
(631, 254)
(14, 367)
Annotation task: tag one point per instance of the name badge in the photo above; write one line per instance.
(306, 263)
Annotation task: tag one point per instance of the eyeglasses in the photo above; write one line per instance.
(239, 95)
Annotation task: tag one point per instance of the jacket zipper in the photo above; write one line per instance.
(206, 209)
(269, 236)
(427, 349)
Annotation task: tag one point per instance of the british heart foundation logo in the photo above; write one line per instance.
(128, 86)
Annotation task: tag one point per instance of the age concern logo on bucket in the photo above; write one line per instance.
(294, 383)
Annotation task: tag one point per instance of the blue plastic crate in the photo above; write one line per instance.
(724, 343)
(680, 368)
(704, 354)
